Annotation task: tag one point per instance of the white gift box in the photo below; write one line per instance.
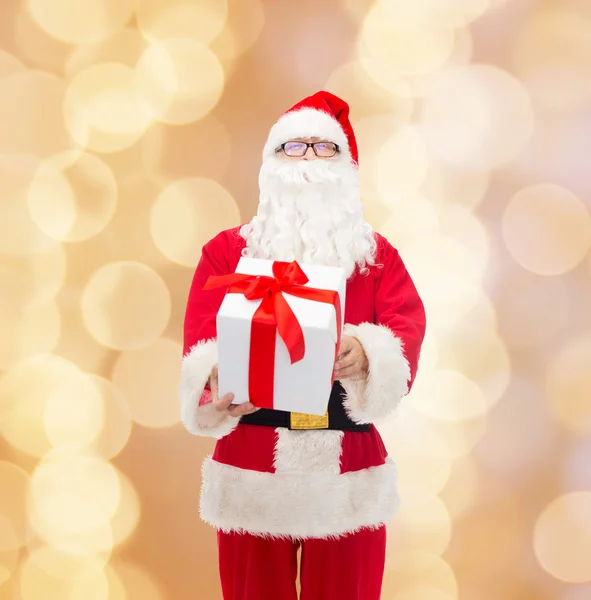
(304, 386)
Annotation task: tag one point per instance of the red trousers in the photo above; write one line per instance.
(348, 568)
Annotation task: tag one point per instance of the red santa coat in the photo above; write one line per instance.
(305, 483)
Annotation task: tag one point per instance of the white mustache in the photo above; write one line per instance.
(303, 172)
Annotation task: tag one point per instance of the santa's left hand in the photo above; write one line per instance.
(351, 362)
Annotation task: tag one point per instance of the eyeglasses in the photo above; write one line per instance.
(321, 149)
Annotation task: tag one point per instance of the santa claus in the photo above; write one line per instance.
(279, 481)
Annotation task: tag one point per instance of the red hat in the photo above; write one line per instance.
(322, 115)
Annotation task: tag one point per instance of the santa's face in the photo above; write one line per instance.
(310, 210)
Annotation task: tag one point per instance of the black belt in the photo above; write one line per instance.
(337, 416)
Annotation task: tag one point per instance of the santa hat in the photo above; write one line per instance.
(322, 115)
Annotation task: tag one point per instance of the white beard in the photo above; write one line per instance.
(310, 211)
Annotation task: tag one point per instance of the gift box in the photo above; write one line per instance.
(278, 331)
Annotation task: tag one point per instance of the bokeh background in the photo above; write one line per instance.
(131, 133)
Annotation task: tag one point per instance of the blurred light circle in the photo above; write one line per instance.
(409, 49)
(187, 214)
(19, 235)
(422, 566)
(31, 114)
(423, 592)
(144, 394)
(72, 197)
(127, 516)
(484, 123)
(75, 493)
(450, 396)
(34, 583)
(368, 95)
(14, 482)
(402, 163)
(24, 392)
(438, 13)
(168, 87)
(75, 548)
(201, 21)
(451, 184)
(27, 330)
(552, 55)
(547, 229)
(437, 438)
(116, 414)
(568, 381)
(421, 526)
(459, 493)
(481, 355)
(124, 47)
(8, 558)
(74, 414)
(64, 565)
(201, 148)
(138, 582)
(562, 538)
(532, 308)
(102, 109)
(9, 64)
(64, 20)
(126, 305)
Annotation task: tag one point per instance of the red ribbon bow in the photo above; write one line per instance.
(274, 315)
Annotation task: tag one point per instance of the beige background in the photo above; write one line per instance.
(131, 132)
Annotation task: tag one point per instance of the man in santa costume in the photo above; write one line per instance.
(280, 481)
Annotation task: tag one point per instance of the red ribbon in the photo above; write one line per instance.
(274, 315)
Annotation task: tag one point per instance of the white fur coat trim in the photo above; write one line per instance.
(389, 373)
(196, 369)
(303, 123)
(297, 505)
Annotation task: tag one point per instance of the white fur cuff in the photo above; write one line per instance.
(196, 369)
(389, 374)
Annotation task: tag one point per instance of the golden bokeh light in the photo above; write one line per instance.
(64, 565)
(31, 331)
(553, 56)
(74, 414)
(24, 392)
(489, 126)
(117, 423)
(423, 592)
(450, 396)
(562, 538)
(9, 64)
(402, 164)
(568, 385)
(64, 20)
(14, 482)
(366, 95)
(126, 305)
(152, 403)
(167, 86)
(201, 21)
(459, 493)
(31, 114)
(124, 47)
(35, 582)
(187, 214)
(532, 308)
(407, 49)
(75, 493)
(455, 185)
(428, 568)
(72, 197)
(547, 229)
(201, 148)
(102, 108)
(139, 584)
(438, 13)
(8, 558)
(422, 526)
(126, 518)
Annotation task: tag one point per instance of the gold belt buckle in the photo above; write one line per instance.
(304, 421)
